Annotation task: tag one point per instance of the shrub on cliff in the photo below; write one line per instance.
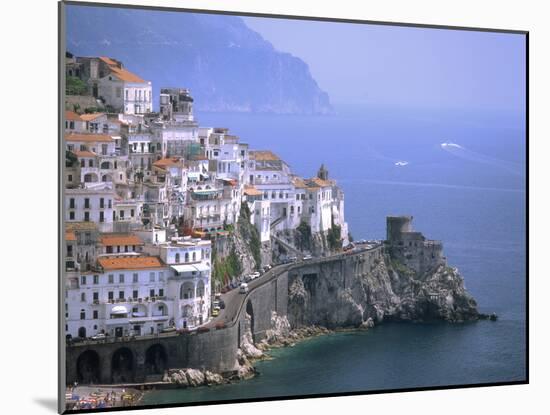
(250, 234)
(303, 236)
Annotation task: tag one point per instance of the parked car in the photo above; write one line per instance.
(292, 259)
(99, 336)
(215, 312)
(248, 278)
(243, 289)
(222, 304)
(255, 275)
(215, 304)
(267, 267)
(307, 257)
(171, 329)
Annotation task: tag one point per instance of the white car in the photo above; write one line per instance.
(99, 336)
(255, 275)
(243, 288)
(308, 257)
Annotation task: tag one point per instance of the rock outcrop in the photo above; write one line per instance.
(378, 289)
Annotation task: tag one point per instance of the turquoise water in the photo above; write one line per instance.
(472, 197)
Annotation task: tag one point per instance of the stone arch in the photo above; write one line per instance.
(155, 359)
(105, 165)
(122, 366)
(88, 368)
(187, 291)
(106, 178)
(82, 332)
(250, 312)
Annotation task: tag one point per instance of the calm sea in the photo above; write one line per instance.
(469, 193)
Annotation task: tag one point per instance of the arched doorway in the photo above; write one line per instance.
(250, 312)
(88, 368)
(155, 359)
(122, 366)
(82, 332)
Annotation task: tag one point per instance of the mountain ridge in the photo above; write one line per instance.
(227, 66)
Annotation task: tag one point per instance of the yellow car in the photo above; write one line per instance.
(215, 312)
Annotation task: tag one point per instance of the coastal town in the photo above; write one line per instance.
(152, 200)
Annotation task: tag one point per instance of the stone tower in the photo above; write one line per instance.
(322, 173)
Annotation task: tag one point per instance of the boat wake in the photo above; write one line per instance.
(463, 153)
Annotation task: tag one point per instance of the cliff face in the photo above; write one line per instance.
(227, 66)
(379, 289)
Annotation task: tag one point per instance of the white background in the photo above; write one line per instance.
(29, 204)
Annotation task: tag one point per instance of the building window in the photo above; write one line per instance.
(135, 277)
(101, 203)
(151, 277)
(194, 256)
(90, 163)
(135, 294)
(70, 178)
(86, 203)
(82, 315)
(71, 215)
(96, 296)
(152, 293)
(71, 203)
(177, 258)
(161, 276)
(161, 292)
(83, 280)
(121, 295)
(110, 204)
(110, 295)
(95, 315)
(121, 278)
(111, 278)
(96, 279)
(101, 217)
(187, 257)
(86, 216)
(83, 297)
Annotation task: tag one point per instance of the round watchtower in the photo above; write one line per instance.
(396, 226)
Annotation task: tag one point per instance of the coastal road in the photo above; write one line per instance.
(234, 300)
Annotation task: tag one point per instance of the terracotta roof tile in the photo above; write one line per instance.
(80, 226)
(70, 236)
(121, 73)
(84, 153)
(92, 116)
(299, 182)
(92, 138)
(169, 162)
(120, 239)
(72, 116)
(251, 191)
(140, 262)
(263, 155)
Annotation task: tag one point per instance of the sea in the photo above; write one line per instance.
(461, 175)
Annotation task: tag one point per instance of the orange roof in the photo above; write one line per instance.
(121, 73)
(316, 181)
(84, 153)
(115, 239)
(299, 182)
(72, 116)
(70, 236)
(92, 138)
(263, 155)
(168, 162)
(140, 262)
(251, 191)
(92, 116)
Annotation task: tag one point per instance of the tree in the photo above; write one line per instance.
(75, 86)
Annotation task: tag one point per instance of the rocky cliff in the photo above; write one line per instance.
(375, 289)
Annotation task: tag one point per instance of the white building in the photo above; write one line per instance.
(122, 296)
(91, 204)
(189, 277)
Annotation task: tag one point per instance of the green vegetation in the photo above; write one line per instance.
(334, 236)
(401, 268)
(225, 268)
(303, 236)
(75, 86)
(70, 159)
(250, 234)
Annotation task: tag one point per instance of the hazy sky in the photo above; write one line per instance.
(409, 67)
